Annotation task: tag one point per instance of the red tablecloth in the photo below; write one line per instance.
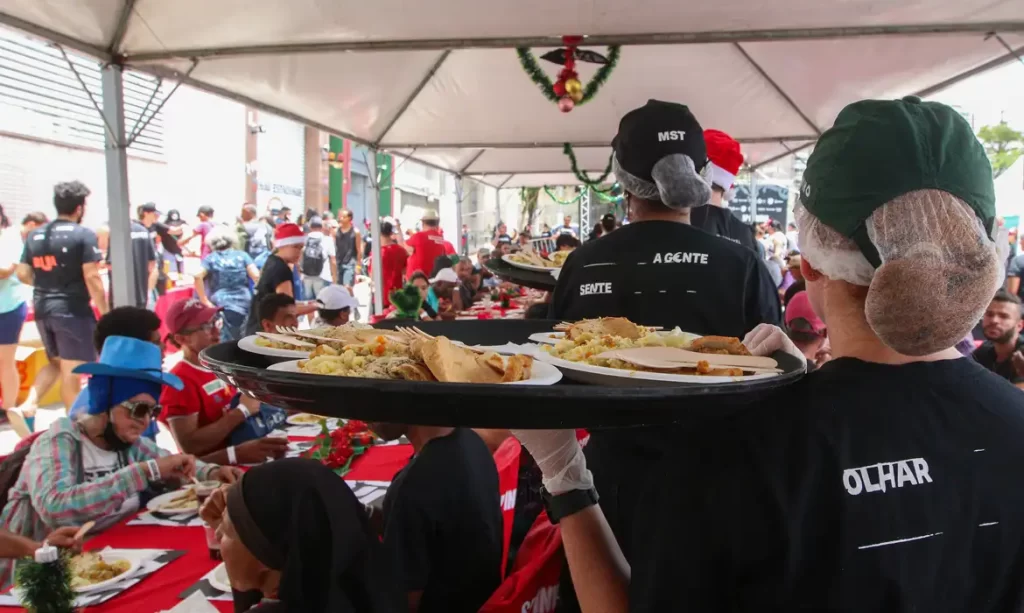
(160, 590)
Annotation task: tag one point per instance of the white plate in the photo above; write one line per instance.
(112, 556)
(616, 377)
(508, 259)
(154, 505)
(219, 579)
(292, 420)
(543, 374)
(547, 338)
(249, 344)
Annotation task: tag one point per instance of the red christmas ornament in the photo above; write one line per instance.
(565, 104)
(559, 88)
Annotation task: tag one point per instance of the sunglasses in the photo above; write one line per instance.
(209, 326)
(142, 410)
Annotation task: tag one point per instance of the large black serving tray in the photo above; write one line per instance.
(565, 405)
(521, 276)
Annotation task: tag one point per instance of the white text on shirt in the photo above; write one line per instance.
(892, 475)
(588, 289)
(680, 257)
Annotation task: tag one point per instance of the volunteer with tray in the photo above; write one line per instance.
(889, 479)
(659, 270)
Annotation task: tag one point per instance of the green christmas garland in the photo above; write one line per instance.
(581, 175)
(547, 190)
(541, 79)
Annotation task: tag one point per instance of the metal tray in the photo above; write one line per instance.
(565, 405)
(520, 276)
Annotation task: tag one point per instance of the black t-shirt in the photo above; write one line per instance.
(863, 487)
(719, 221)
(275, 272)
(503, 238)
(56, 253)
(986, 356)
(442, 524)
(169, 242)
(662, 273)
(143, 253)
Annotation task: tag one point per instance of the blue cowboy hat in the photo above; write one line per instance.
(132, 358)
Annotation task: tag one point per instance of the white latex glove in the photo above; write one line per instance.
(559, 457)
(766, 339)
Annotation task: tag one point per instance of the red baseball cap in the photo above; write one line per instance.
(799, 308)
(186, 314)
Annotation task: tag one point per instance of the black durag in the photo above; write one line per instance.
(298, 517)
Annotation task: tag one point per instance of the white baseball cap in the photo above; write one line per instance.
(446, 274)
(335, 297)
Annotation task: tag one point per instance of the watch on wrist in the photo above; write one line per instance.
(564, 505)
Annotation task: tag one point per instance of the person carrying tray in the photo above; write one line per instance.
(659, 271)
(889, 479)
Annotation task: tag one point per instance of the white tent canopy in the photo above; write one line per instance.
(440, 82)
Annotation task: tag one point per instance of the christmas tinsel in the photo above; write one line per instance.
(46, 588)
(581, 175)
(547, 190)
(541, 79)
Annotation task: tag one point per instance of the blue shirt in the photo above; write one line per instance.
(432, 299)
(12, 293)
(229, 279)
(81, 405)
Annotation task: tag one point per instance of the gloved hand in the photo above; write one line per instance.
(766, 339)
(559, 457)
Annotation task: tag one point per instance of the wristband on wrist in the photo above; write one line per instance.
(244, 410)
(568, 503)
(154, 470)
(232, 456)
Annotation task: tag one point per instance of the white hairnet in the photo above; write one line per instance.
(939, 268)
(677, 184)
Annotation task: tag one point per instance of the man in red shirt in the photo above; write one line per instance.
(394, 257)
(202, 415)
(425, 246)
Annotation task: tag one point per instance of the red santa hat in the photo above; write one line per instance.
(725, 158)
(288, 234)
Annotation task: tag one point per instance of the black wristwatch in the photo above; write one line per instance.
(568, 503)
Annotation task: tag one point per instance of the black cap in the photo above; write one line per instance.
(285, 208)
(608, 217)
(149, 207)
(206, 210)
(656, 130)
(316, 222)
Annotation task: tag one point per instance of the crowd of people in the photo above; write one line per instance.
(883, 480)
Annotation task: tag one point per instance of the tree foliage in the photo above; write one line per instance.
(529, 210)
(1003, 145)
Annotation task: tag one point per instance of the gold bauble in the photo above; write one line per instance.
(573, 87)
(576, 96)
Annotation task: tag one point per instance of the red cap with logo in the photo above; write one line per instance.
(188, 314)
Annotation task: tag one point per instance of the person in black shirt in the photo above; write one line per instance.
(887, 480)
(61, 260)
(277, 276)
(1001, 351)
(442, 521)
(724, 161)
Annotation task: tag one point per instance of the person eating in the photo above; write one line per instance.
(203, 412)
(278, 311)
(444, 290)
(295, 532)
(887, 480)
(94, 469)
(442, 526)
(336, 305)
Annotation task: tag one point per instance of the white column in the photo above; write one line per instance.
(121, 264)
(458, 216)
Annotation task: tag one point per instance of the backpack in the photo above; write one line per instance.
(257, 239)
(313, 257)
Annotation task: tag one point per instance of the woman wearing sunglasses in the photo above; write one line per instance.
(95, 467)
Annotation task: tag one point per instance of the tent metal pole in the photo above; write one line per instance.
(375, 259)
(584, 212)
(122, 277)
(664, 38)
(145, 123)
(122, 27)
(111, 131)
(788, 153)
(764, 74)
(145, 109)
(472, 161)
(502, 184)
(989, 65)
(549, 171)
(584, 144)
(463, 250)
(412, 97)
(753, 195)
(1015, 53)
(54, 36)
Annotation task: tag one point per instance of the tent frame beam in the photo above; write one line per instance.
(52, 36)
(122, 28)
(578, 145)
(600, 40)
(778, 89)
(412, 97)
